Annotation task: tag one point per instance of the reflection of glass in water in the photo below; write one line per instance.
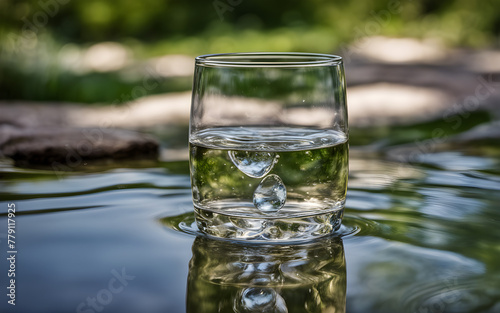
(243, 278)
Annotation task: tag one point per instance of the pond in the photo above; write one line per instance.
(416, 238)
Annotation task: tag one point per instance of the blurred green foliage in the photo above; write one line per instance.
(460, 21)
(457, 21)
(33, 32)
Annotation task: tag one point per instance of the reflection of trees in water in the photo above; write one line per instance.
(236, 277)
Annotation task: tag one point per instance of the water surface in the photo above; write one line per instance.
(416, 238)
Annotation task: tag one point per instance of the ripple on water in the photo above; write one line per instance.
(467, 294)
(455, 161)
(351, 225)
(460, 180)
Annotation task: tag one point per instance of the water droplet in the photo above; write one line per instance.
(253, 163)
(256, 299)
(270, 194)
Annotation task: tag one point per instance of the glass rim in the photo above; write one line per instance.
(268, 59)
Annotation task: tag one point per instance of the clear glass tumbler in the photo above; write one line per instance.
(268, 141)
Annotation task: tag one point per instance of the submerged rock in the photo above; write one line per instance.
(71, 147)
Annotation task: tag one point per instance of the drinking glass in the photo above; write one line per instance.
(268, 145)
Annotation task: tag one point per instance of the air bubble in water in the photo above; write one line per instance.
(261, 300)
(255, 164)
(270, 195)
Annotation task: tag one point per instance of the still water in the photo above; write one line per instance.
(416, 238)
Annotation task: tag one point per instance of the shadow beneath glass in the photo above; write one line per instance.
(239, 277)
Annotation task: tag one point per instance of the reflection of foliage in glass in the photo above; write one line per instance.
(314, 173)
(290, 85)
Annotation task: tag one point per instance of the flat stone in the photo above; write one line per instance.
(72, 147)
